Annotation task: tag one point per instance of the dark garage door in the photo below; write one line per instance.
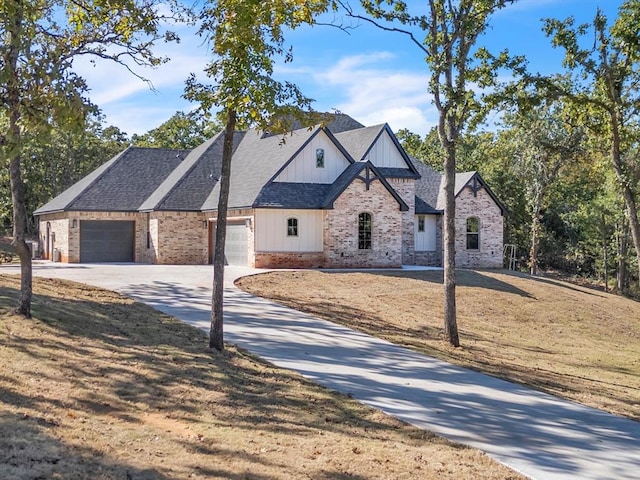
(106, 241)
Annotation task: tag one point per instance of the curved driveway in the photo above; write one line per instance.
(536, 434)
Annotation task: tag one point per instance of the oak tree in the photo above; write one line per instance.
(245, 37)
(39, 89)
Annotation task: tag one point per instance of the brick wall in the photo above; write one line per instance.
(341, 228)
(482, 206)
(407, 190)
(179, 238)
(67, 233)
(289, 260)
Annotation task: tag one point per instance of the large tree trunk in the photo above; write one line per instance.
(450, 321)
(216, 335)
(13, 146)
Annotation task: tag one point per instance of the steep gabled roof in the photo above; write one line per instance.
(121, 184)
(366, 172)
(360, 142)
(472, 180)
(256, 161)
(189, 185)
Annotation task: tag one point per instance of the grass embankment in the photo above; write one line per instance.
(98, 386)
(568, 340)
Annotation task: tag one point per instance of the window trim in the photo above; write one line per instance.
(319, 157)
(293, 225)
(421, 223)
(365, 232)
(470, 234)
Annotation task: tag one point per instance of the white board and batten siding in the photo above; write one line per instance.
(384, 153)
(303, 169)
(272, 233)
(425, 241)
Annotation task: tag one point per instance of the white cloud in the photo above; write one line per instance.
(372, 89)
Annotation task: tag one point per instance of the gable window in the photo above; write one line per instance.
(292, 227)
(364, 231)
(421, 223)
(319, 157)
(473, 233)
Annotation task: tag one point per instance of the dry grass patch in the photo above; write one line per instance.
(98, 386)
(575, 342)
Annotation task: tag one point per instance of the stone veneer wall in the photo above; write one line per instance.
(341, 228)
(482, 206)
(179, 238)
(433, 259)
(406, 188)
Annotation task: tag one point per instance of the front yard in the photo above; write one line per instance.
(568, 340)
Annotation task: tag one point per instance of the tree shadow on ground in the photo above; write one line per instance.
(122, 359)
(30, 449)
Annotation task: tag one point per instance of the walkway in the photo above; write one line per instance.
(536, 434)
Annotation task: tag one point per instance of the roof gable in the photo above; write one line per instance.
(379, 145)
(302, 167)
(365, 172)
(474, 182)
(256, 161)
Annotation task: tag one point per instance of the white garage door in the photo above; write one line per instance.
(236, 244)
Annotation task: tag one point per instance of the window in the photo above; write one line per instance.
(421, 223)
(473, 233)
(319, 157)
(292, 227)
(364, 231)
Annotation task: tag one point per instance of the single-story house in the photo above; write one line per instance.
(333, 195)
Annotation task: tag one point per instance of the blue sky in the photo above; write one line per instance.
(374, 76)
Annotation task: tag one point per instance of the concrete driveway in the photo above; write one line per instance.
(536, 434)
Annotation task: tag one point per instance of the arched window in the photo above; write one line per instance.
(292, 227)
(473, 233)
(364, 231)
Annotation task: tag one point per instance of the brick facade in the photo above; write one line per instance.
(341, 228)
(407, 190)
(481, 206)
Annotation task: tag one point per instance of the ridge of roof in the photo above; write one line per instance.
(176, 177)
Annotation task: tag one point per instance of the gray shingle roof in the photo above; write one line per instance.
(121, 184)
(293, 195)
(256, 161)
(427, 188)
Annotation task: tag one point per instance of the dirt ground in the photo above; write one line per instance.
(98, 386)
(572, 341)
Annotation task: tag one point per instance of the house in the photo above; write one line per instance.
(333, 195)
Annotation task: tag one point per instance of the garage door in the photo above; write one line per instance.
(235, 245)
(106, 241)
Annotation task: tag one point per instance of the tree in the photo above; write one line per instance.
(181, 131)
(456, 65)
(245, 35)
(39, 89)
(545, 143)
(606, 73)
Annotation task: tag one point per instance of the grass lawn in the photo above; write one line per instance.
(568, 340)
(98, 386)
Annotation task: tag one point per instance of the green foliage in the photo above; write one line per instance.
(181, 131)
(245, 37)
